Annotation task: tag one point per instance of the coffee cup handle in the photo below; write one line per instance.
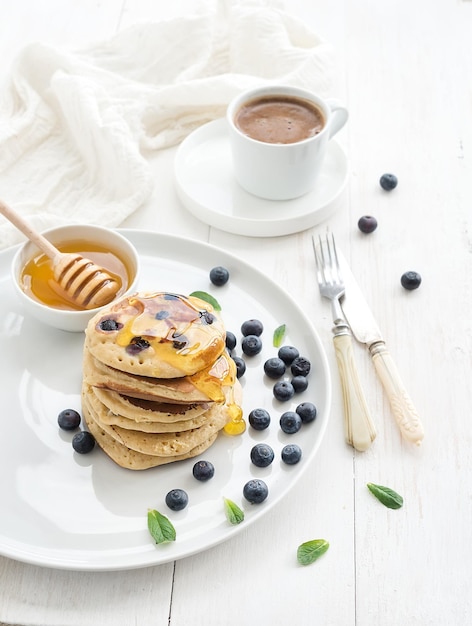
(339, 115)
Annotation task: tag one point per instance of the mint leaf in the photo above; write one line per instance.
(309, 551)
(279, 334)
(386, 496)
(233, 513)
(206, 297)
(160, 527)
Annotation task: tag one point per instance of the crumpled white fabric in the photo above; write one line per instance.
(78, 128)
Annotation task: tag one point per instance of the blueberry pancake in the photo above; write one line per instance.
(158, 383)
(158, 335)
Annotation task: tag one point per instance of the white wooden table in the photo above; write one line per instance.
(405, 75)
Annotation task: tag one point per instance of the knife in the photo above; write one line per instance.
(365, 330)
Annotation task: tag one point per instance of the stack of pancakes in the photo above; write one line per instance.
(158, 383)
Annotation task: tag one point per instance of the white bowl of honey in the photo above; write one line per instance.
(32, 272)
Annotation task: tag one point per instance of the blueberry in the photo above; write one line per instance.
(411, 280)
(291, 454)
(252, 327)
(283, 391)
(68, 419)
(177, 499)
(367, 224)
(137, 345)
(290, 422)
(206, 317)
(300, 366)
(240, 366)
(388, 181)
(299, 383)
(288, 354)
(262, 455)
(307, 411)
(251, 345)
(219, 275)
(274, 367)
(255, 491)
(83, 442)
(203, 470)
(230, 341)
(259, 419)
(110, 324)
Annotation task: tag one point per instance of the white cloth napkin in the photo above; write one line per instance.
(78, 128)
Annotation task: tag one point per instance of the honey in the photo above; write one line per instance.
(37, 277)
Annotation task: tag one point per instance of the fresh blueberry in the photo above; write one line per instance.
(291, 454)
(274, 367)
(307, 411)
(251, 345)
(367, 224)
(203, 470)
(288, 354)
(283, 391)
(255, 491)
(177, 499)
(301, 366)
(240, 366)
(262, 455)
(388, 181)
(68, 419)
(259, 419)
(83, 442)
(252, 327)
(299, 383)
(411, 280)
(230, 341)
(290, 422)
(219, 275)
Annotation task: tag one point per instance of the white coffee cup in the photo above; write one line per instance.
(281, 171)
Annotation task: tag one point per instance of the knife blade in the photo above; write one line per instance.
(366, 331)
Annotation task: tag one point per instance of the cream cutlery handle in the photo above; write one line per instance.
(358, 427)
(402, 407)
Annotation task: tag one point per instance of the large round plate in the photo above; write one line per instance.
(206, 186)
(83, 512)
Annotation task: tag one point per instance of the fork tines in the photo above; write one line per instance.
(327, 263)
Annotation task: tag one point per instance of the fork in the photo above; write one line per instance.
(359, 430)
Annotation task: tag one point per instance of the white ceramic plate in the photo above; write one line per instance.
(82, 512)
(207, 188)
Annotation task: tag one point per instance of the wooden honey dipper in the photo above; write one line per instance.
(79, 280)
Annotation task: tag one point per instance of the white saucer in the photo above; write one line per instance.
(207, 188)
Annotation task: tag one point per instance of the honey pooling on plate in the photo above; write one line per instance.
(237, 424)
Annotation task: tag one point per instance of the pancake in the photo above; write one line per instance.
(158, 335)
(131, 459)
(205, 386)
(141, 412)
(160, 444)
(110, 418)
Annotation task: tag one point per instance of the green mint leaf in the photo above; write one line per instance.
(279, 334)
(233, 513)
(387, 496)
(309, 551)
(160, 527)
(206, 297)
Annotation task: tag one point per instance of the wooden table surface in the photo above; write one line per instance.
(405, 74)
